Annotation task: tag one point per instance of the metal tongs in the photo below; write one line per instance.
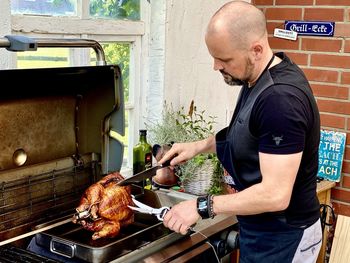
(145, 209)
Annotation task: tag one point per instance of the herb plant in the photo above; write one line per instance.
(179, 126)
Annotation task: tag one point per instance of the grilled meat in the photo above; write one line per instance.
(103, 208)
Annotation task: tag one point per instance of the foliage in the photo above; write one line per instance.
(119, 53)
(178, 126)
(120, 9)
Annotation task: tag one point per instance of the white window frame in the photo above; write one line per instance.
(101, 30)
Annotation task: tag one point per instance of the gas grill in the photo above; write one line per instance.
(55, 141)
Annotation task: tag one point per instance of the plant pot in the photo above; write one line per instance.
(200, 183)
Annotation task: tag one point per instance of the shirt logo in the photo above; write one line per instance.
(277, 139)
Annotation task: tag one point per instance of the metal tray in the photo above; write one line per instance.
(72, 241)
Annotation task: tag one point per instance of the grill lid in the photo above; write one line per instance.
(46, 114)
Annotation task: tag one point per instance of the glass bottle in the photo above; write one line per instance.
(142, 154)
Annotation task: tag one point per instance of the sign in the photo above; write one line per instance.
(331, 154)
(311, 28)
(286, 34)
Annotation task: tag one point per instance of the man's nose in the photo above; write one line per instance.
(217, 65)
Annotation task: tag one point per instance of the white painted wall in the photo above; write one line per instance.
(7, 58)
(189, 70)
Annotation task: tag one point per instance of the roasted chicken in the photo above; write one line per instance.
(103, 208)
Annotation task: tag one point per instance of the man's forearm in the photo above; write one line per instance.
(207, 145)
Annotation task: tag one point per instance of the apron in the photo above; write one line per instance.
(265, 237)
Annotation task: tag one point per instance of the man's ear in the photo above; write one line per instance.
(257, 51)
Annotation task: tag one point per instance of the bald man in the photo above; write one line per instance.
(270, 148)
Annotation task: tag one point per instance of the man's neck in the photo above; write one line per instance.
(262, 68)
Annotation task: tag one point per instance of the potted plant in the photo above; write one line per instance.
(202, 174)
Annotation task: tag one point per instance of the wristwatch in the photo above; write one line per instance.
(203, 206)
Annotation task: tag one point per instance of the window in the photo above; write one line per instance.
(111, 27)
(116, 9)
(45, 7)
(43, 58)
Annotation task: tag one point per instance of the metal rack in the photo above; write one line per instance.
(44, 196)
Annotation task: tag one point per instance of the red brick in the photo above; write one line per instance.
(345, 77)
(346, 166)
(348, 137)
(332, 121)
(329, 91)
(272, 25)
(336, 61)
(341, 195)
(294, 2)
(321, 75)
(346, 181)
(347, 152)
(281, 44)
(347, 46)
(283, 13)
(327, 45)
(342, 30)
(262, 2)
(324, 14)
(333, 2)
(333, 106)
(341, 209)
(298, 58)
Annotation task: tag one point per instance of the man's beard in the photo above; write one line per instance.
(230, 80)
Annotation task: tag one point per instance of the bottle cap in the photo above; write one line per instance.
(143, 132)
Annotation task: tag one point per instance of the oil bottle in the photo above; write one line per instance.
(142, 154)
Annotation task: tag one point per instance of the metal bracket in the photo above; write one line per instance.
(21, 43)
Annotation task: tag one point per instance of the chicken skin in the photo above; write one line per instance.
(105, 207)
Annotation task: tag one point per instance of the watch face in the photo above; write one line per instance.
(202, 204)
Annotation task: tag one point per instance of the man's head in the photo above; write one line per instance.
(236, 38)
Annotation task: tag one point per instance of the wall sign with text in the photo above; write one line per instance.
(311, 28)
(331, 154)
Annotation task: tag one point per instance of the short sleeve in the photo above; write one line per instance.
(280, 120)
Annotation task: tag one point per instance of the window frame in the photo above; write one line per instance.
(83, 26)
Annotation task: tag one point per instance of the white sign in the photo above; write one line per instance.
(285, 34)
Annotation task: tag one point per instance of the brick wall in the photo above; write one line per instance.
(326, 63)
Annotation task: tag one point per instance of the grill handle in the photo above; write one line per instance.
(62, 247)
(21, 43)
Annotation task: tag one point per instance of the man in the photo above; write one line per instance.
(270, 148)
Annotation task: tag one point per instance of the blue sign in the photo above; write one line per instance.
(331, 154)
(311, 28)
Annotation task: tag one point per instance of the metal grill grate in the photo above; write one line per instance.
(45, 196)
(12, 254)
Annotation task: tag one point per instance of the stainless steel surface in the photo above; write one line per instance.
(61, 42)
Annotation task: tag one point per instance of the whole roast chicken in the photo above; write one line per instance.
(103, 208)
